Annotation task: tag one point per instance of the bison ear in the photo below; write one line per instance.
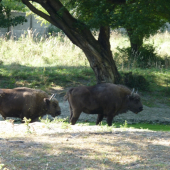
(47, 101)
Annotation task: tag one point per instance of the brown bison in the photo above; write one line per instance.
(106, 100)
(25, 102)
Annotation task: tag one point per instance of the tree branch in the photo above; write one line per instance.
(77, 33)
(65, 13)
(57, 10)
(40, 13)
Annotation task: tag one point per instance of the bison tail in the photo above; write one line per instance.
(66, 97)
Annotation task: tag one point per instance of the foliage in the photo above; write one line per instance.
(5, 17)
(139, 19)
(93, 13)
(46, 120)
(14, 5)
(61, 120)
(146, 56)
(135, 81)
(125, 125)
(40, 19)
(27, 121)
(140, 16)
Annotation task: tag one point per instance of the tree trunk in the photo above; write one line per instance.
(101, 59)
(103, 66)
(135, 43)
(97, 52)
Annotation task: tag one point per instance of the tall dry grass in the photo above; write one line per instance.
(32, 50)
(41, 51)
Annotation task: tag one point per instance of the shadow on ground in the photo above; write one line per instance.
(87, 150)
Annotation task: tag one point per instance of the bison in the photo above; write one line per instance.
(26, 102)
(106, 100)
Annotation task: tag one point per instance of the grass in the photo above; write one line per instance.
(44, 77)
(52, 51)
(104, 126)
(153, 127)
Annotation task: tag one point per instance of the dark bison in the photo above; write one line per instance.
(25, 102)
(106, 100)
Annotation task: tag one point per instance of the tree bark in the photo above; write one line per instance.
(97, 52)
(101, 59)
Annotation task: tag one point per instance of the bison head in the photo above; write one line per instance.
(134, 102)
(53, 107)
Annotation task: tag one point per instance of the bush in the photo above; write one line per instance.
(135, 81)
(146, 57)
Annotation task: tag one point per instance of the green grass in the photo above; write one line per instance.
(45, 77)
(153, 127)
(158, 90)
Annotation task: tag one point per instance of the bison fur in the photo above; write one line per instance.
(106, 100)
(26, 102)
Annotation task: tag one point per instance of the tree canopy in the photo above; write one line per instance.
(5, 13)
(140, 18)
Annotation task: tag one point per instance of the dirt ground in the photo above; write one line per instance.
(60, 146)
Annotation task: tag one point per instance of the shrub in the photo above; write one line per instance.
(135, 81)
(146, 57)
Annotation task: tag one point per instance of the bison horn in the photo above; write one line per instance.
(52, 96)
(133, 91)
(137, 91)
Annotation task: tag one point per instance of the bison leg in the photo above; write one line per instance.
(71, 113)
(75, 116)
(99, 118)
(109, 120)
(3, 115)
(71, 110)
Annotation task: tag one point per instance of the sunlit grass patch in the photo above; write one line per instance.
(144, 126)
(50, 51)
